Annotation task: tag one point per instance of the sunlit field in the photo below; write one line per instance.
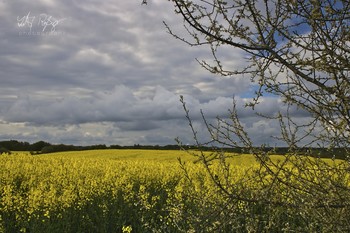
(118, 191)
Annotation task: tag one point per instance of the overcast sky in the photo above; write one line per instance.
(107, 72)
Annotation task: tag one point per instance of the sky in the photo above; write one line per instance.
(89, 72)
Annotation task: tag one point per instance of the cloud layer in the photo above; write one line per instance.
(88, 72)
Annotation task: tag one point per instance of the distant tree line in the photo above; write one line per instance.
(42, 147)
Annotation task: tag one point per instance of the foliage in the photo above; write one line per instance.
(297, 51)
(13, 145)
(293, 192)
(45, 147)
(4, 150)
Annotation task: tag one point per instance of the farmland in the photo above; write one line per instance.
(130, 191)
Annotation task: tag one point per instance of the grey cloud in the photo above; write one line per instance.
(104, 117)
(112, 75)
(142, 125)
(121, 104)
(129, 113)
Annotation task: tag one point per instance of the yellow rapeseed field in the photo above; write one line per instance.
(136, 191)
(100, 191)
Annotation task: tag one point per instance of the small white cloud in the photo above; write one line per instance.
(94, 56)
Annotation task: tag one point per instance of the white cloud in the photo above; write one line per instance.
(93, 56)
